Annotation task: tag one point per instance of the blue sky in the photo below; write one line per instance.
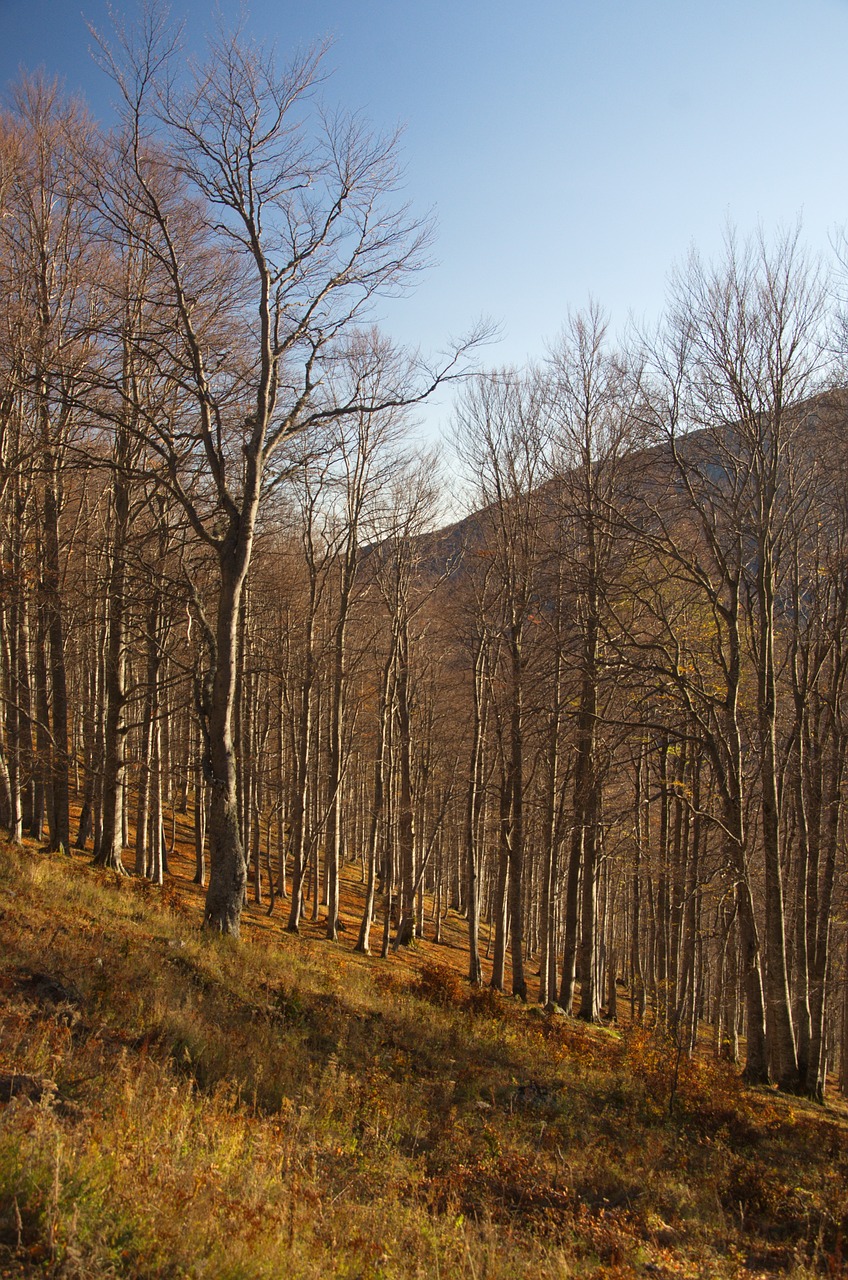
(568, 149)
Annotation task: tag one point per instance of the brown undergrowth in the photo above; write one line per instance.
(175, 1106)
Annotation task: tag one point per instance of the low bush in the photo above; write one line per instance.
(440, 985)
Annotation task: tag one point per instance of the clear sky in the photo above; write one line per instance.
(569, 149)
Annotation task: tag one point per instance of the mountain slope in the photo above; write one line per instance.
(174, 1106)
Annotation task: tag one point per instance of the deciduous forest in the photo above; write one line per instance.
(601, 715)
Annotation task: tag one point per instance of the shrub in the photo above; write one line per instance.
(440, 984)
(485, 1002)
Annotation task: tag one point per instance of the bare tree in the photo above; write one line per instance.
(741, 353)
(408, 510)
(275, 226)
(501, 433)
(592, 394)
(48, 244)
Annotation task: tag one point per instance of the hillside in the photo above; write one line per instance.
(178, 1106)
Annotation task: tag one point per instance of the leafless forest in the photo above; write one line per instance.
(604, 713)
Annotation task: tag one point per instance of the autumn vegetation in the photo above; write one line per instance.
(586, 737)
(176, 1104)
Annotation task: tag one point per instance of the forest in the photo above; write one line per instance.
(597, 710)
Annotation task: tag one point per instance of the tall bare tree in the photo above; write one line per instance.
(275, 226)
(502, 434)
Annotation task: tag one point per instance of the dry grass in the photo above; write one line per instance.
(284, 1107)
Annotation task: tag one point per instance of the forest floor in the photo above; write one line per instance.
(174, 1105)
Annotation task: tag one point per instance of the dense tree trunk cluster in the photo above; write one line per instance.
(603, 718)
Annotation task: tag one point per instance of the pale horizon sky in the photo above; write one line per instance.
(568, 150)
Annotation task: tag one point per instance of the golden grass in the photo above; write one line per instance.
(283, 1107)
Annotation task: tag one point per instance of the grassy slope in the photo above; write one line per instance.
(283, 1107)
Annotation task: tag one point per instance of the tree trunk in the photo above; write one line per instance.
(60, 834)
(500, 906)
(227, 867)
(110, 851)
